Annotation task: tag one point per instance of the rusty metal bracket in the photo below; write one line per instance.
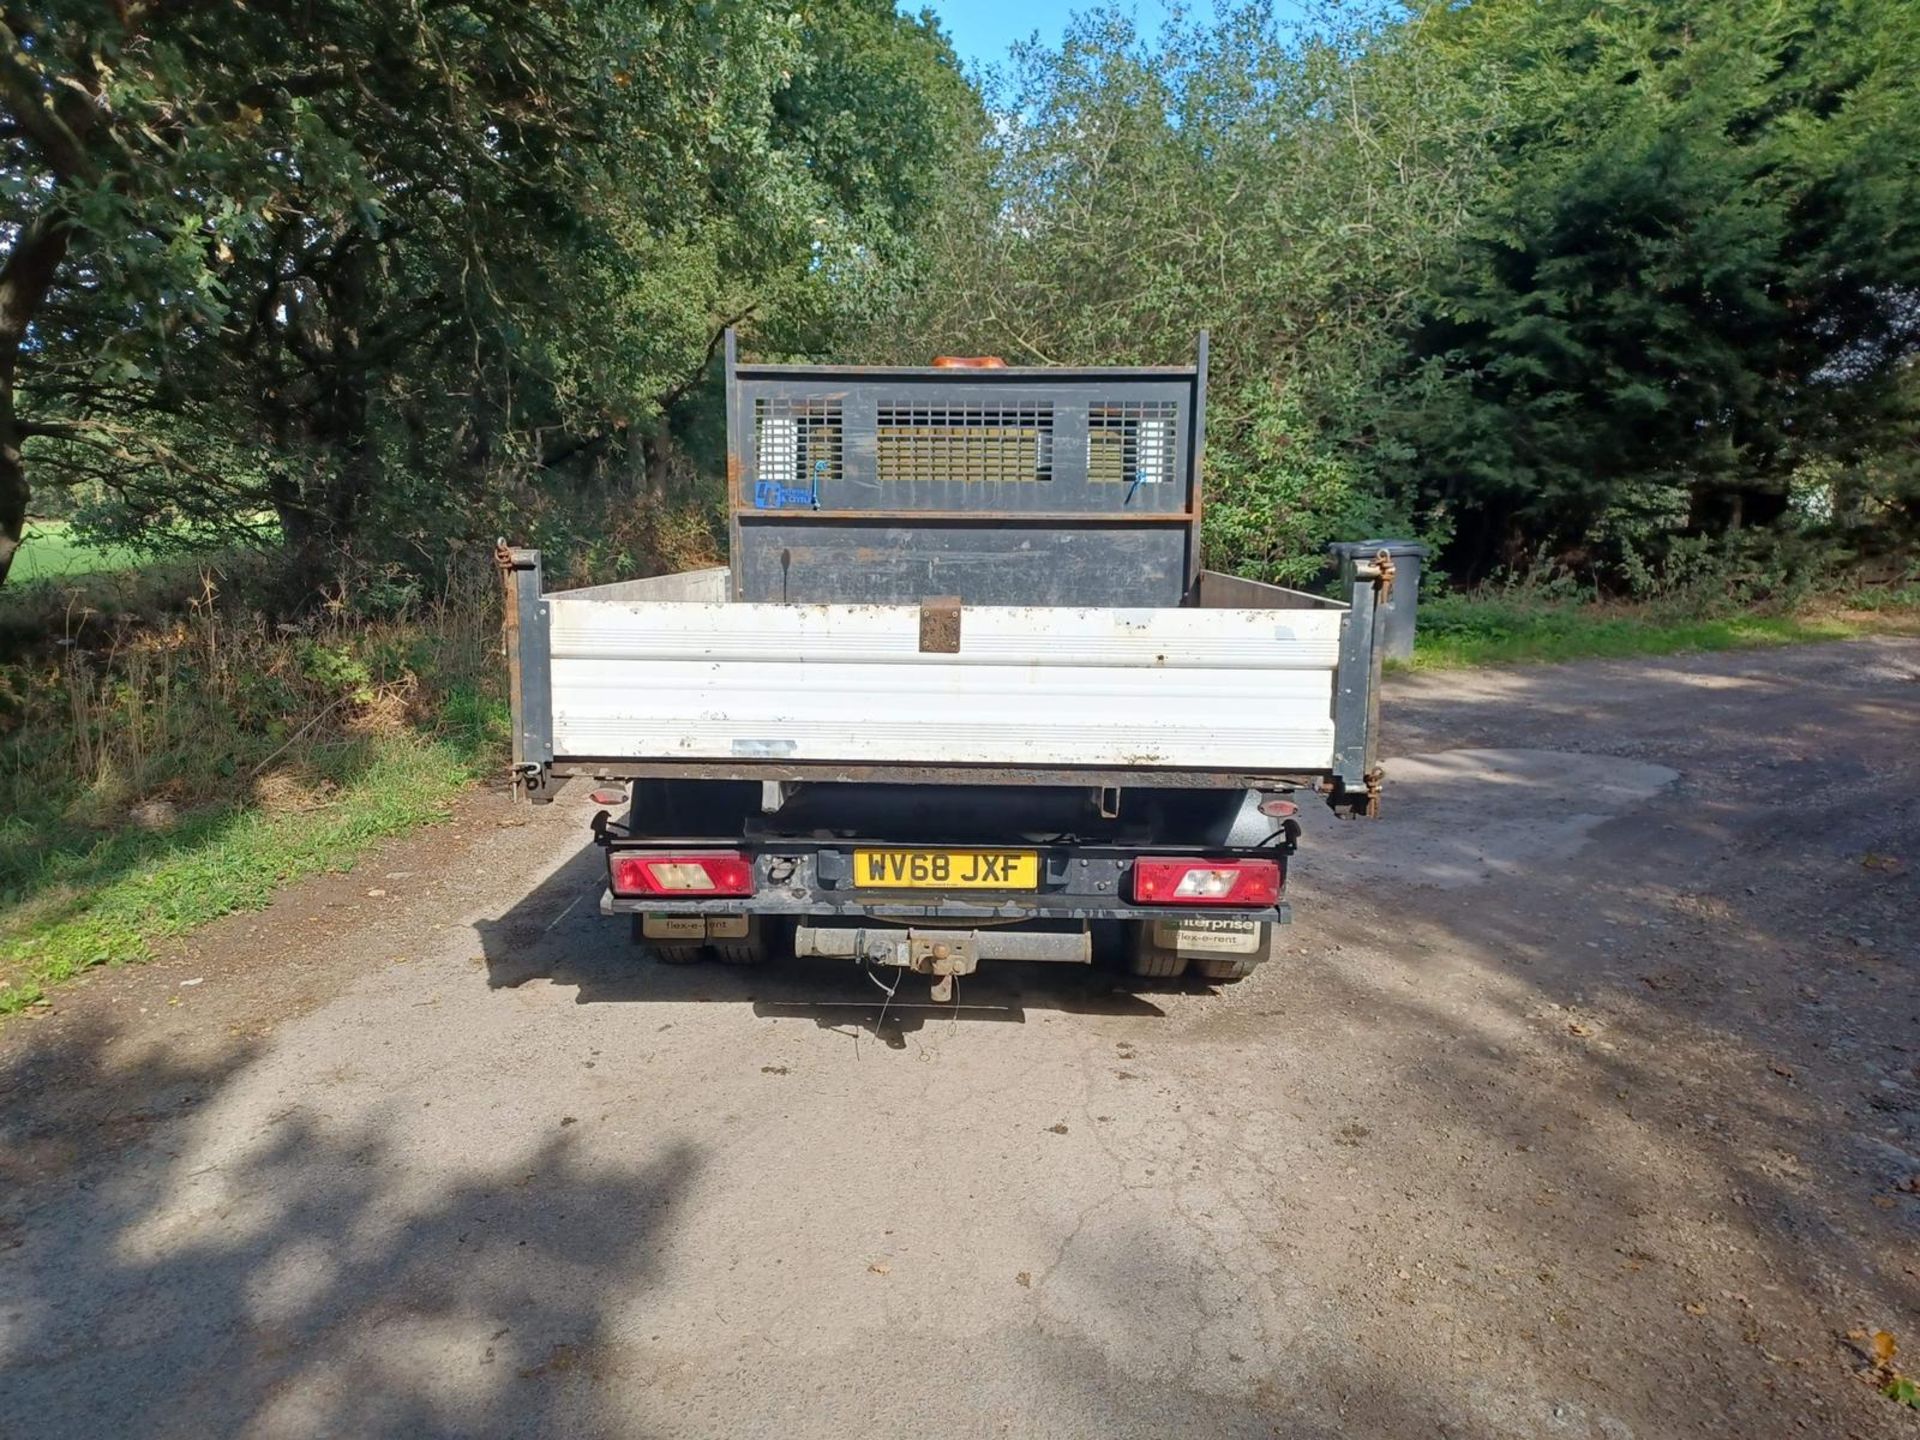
(1371, 810)
(505, 563)
(940, 625)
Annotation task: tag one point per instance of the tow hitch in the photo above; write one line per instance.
(941, 954)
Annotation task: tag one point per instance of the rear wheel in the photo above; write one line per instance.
(1144, 957)
(667, 952)
(1225, 970)
(1147, 956)
(749, 949)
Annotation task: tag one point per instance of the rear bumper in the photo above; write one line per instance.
(1000, 911)
(816, 883)
(954, 948)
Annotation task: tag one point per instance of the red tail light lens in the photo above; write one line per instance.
(710, 873)
(1246, 883)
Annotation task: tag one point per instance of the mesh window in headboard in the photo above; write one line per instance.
(796, 445)
(964, 442)
(1131, 442)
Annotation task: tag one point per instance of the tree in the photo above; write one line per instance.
(338, 259)
(206, 203)
(835, 146)
(1289, 190)
(1696, 275)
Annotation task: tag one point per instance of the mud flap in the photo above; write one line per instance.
(1201, 936)
(694, 927)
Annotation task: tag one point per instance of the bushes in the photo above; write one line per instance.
(1748, 588)
(161, 768)
(1280, 491)
(175, 742)
(1773, 571)
(1517, 273)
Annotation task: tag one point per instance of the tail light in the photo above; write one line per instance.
(718, 872)
(1247, 883)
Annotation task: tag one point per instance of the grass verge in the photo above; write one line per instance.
(1457, 631)
(180, 739)
(52, 551)
(162, 767)
(113, 902)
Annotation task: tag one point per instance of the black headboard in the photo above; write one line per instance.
(1008, 486)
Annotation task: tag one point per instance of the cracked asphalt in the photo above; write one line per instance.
(1583, 1101)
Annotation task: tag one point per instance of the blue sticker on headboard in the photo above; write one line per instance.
(772, 495)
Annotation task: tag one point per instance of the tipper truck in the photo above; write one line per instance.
(964, 691)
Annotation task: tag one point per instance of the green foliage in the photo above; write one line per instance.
(110, 903)
(335, 668)
(51, 550)
(1895, 592)
(156, 774)
(394, 278)
(1289, 195)
(1742, 570)
(1281, 495)
(1737, 591)
(373, 271)
(1502, 274)
(1693, 276)
(1493, 629)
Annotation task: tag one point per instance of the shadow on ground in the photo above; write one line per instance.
(1606, 1140)
(556, 934)
(304, 1286)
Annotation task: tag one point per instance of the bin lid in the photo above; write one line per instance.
(1355, 549)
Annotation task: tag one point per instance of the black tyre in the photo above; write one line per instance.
(1225, 971)
(750, 949)
(667, 952)
(1146, 958)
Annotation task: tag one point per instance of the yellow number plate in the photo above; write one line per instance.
(946, 869)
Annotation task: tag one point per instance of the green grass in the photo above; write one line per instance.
(1469, 630)
(50, 551)
(111, 903)
(256, 754)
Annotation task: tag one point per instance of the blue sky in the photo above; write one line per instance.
(983, 30)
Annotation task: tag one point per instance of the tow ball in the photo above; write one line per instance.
(942, 954)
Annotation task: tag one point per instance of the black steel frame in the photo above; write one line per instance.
(850, 536)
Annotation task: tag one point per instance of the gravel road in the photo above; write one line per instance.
(1584, 1101)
